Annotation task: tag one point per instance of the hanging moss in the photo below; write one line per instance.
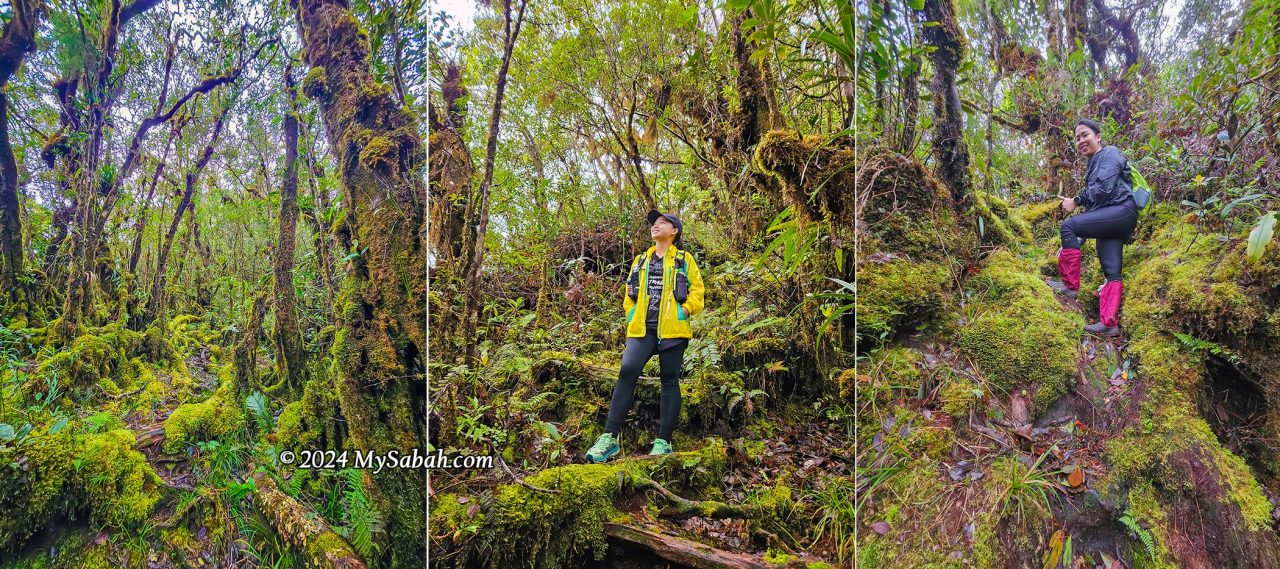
(815, 172)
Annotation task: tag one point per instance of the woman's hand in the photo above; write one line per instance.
(1068, 204)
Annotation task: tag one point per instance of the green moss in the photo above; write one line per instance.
(379, 153)
(1145, 508)
(999, 226)
(289, 428)
(203, 421)
(96, 354)
(315, 83)
(569, 521)
(899, 295)
(117, 481)
(958, 398)
(1018, 334)
(32, 479)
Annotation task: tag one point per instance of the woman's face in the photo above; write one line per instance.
(1087, 141)
(663, 230)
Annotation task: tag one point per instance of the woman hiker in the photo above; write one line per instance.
(1111, 216)
(664, 290)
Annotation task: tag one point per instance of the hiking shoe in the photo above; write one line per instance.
(606, 446)
(1061, 288)
(1100, 329)
(661, 446)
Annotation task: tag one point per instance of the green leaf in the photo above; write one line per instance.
(1261, 236)
(6, 432)
(916, 5)
(57, 426)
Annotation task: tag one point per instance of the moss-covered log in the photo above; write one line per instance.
(302, 528)
(683, 551)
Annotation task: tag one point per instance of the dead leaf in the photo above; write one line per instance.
(881, 527)
(1076, 477)
(1020, 412)
(1053, 556)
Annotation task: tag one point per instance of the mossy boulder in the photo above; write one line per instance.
(899, 295)
(1017, 333)
(33, 478)
(119, 485)
(207, 420)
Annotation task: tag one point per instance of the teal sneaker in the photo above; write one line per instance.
(661, 446)
(606, 446)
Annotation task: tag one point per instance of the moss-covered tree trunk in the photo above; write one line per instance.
(948, 141)
(378, 370)
(290, 359)
(17, 40)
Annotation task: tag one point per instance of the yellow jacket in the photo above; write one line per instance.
(673, 318)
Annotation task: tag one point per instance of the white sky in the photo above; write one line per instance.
(461, 11)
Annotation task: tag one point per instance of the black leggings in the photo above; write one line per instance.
(1112, 226)
(634, 356)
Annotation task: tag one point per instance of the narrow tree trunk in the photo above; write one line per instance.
(156, 303)
(948, 144)
(13, 264)
(472, 279)
(290, 359)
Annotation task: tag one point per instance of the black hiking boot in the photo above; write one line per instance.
(1100, 329)
(1062, 289)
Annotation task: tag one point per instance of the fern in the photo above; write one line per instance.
(534, 402)
(1143, 535)
(1204, 346)
(361, 517)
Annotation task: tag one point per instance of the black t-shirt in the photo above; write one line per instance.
(654, 291)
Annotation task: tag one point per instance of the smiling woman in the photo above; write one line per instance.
(643, 375)
(1111, 218)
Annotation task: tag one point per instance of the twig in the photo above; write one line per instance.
(521, 481)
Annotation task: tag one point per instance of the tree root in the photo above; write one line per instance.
(684, 508)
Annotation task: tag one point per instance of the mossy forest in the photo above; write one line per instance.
(992, 430)
(213, 253)
(708, 283)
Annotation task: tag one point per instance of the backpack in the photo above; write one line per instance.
(1141, 190)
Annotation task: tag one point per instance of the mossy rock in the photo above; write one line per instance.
(1019, 335)
(119, 485)
(898, 296)
(33, 478)
(207, 420)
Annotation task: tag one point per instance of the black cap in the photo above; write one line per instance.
(655, 214)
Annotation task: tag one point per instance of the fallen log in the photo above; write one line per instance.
(321, 547)
(681, 550)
